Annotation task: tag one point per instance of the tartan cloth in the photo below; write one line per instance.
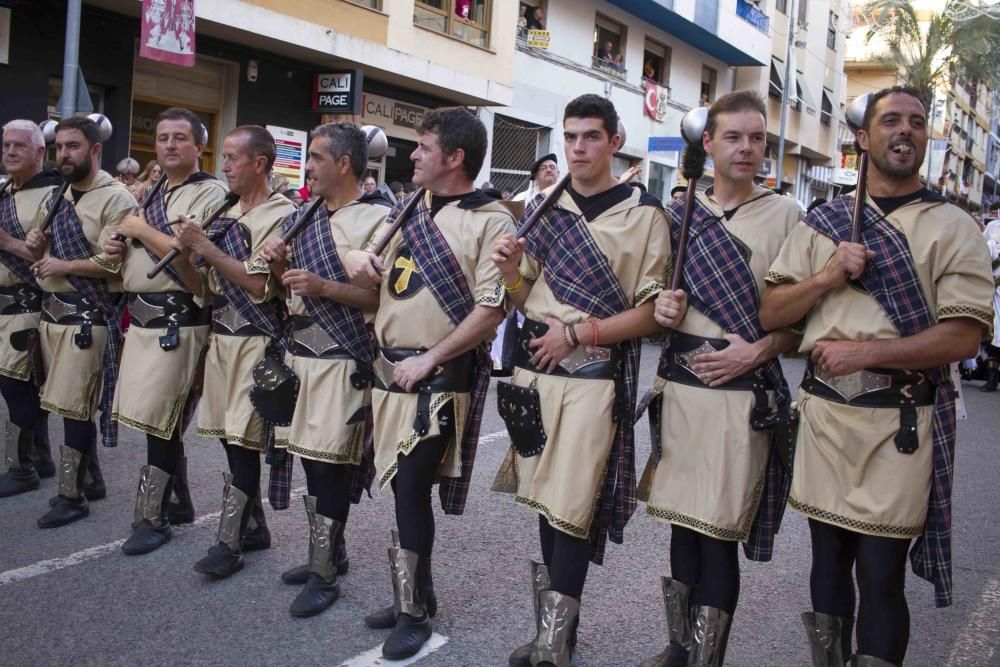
(70, 243)
(443, 276)
(721, 286)
(156, 217)
(892, 280)
(580, 275)
(10, 223)
(316, 251)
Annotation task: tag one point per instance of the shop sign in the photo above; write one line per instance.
(337, 92)
(396, 118)
(290, 154)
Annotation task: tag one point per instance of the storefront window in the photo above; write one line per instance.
(467, 20)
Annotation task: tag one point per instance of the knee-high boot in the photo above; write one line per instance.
(21, 475)
(71, 504)
(226, 557)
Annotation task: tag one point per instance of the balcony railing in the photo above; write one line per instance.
(614, 69)
(752, 15)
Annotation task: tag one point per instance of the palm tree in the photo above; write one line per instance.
(926, 57)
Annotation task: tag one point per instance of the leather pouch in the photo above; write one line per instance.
(521, 410)
(275, 390)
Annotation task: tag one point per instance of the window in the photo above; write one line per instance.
(803, 94)
(831, 31)
(826, 110)
(531, 16)
(777, 78)
(656, 63)
(708, 76)
(609, 47)
(468, 20)
(372, 4)
(803, 12)
(781, 6)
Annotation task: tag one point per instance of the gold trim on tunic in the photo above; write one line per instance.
(710, 529)
(877, 529)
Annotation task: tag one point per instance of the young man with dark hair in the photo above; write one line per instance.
(81, 314)
(709, 469)
(331, 352)
(585, 278)
(24, 201)
(882, 318)
(441, 299)
(245, 321)
(169, 327)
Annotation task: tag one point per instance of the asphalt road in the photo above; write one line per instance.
(69, 596)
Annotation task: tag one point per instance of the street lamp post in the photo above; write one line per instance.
(784, 94)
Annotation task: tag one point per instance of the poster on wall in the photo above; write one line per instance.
(290, 160)
(168, 31)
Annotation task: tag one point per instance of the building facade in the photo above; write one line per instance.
(259, 62)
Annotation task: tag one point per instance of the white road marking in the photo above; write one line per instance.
(977, 643)
(373, 658)
(56, 564)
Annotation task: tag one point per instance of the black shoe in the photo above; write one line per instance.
(385, 618)
(181, 511)
(297, 576)
(18, 480)
(221, 562)
(65, 511)
(408, 637)
(317, 596)
(146, 538)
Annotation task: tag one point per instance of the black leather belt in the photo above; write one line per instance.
(878, 388)
(160, 310)
(676, 365)
(72, 309)
(600, 363)
(227, 321)
(872, 388)
(311, 340)
(457, 375)
(19, 300)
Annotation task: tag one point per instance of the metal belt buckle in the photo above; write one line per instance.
(56, 309)
(855, 384)
(142, 311)
(315, 339)
(229, 318)
(584, 356)
(384, 369)
(686, 359)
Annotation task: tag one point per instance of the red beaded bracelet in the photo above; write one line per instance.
(593, 324)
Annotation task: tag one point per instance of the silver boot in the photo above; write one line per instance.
(70, 505)
(540, 581)
(150, 527)
(322, 587)
(676, 603)
(825, 633)
(710, 633)
(21, 475)
(557, 616)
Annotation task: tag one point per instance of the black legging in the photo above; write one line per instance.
(22, 401)
(709, 566)
(883, 619)
(567, 557)
(164, 454)
(413, 483)
(80, 435)
(244, 464)
(330, 483)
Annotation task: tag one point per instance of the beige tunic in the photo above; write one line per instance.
(31, 205)
(225, 410)
(563, 482)
(327, 400)
(409, 317)
(153, 383)
(848, 471)
(711, 473)
(73, 376)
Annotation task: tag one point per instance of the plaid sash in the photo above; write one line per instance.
(892, 280)
(233, 239)
(9, 223)
(70, 243)
(721, 286)
(443, 276)
(156, 217)
(580, 275)
(316, 251)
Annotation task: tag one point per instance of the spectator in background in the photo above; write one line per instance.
(369, 184)
(816, 203)
(279, 183)
(462, 9)
(678, 192)
(544, 173)
(397, 190)
(648, 70)
(127, 170)
(293, 196)
(607, 52)
(150, 175)
(536, 19)
(522, 22)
